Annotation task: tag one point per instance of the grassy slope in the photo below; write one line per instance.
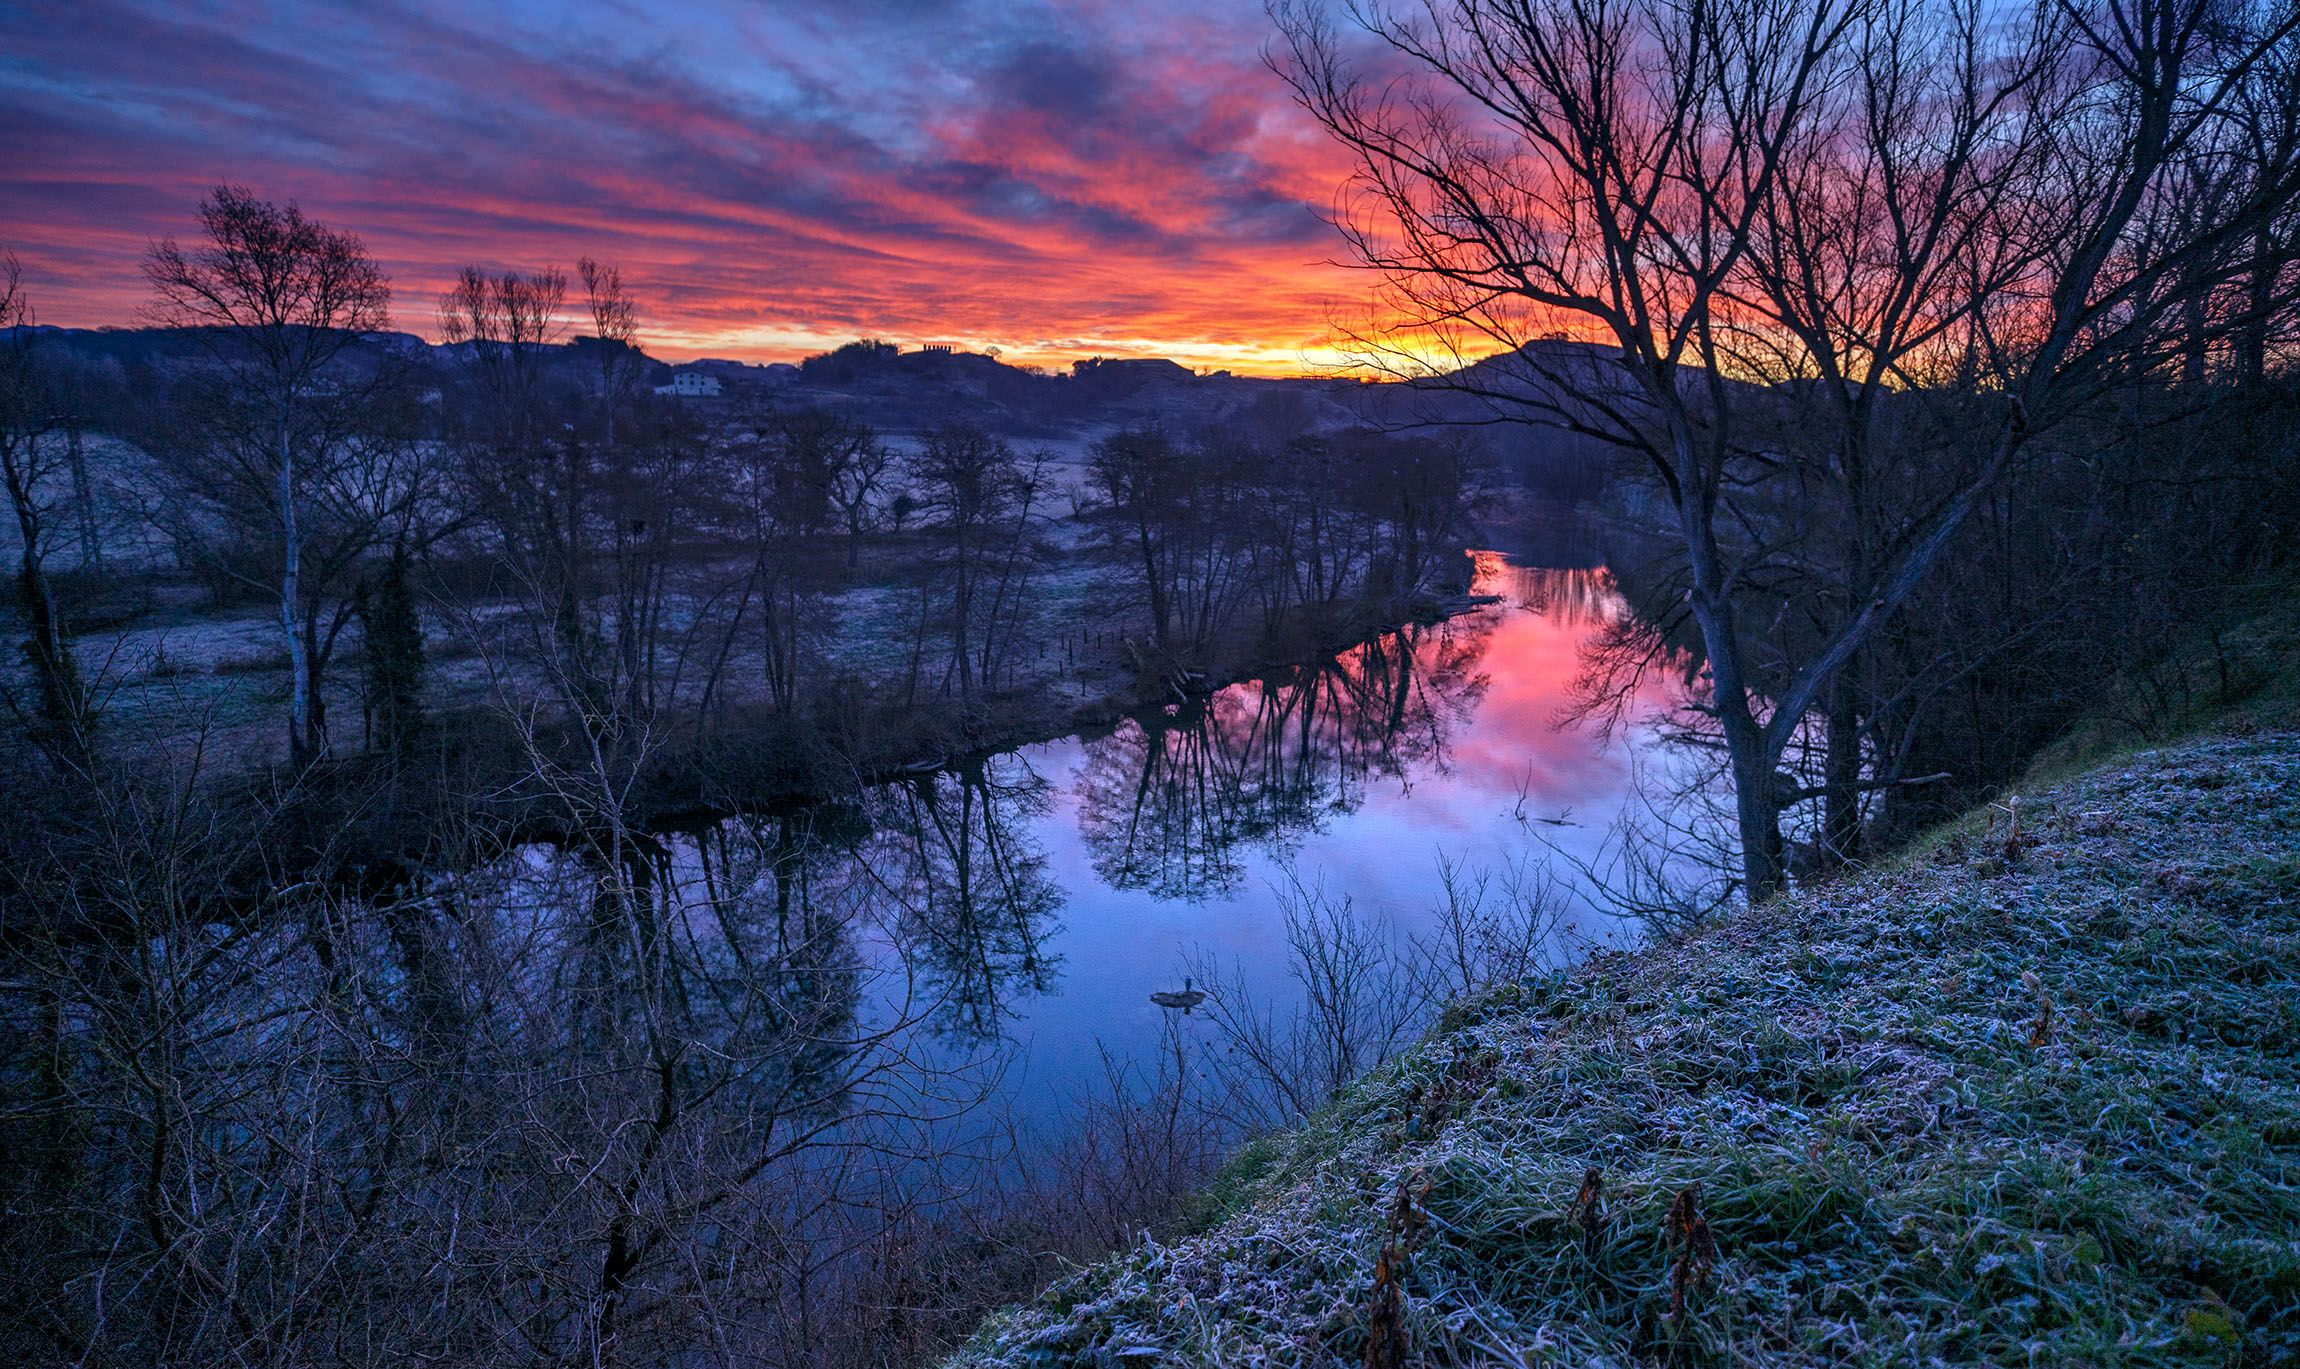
(2037, 1107)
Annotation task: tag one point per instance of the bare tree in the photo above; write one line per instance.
(782, 473)
(1357, 1007)
(365, 482)
(277, 298)
(527, 479)
(614, 333)
(1671, 179)
(857, 484)
(982, 497)
(28, 467)
(1136, 475)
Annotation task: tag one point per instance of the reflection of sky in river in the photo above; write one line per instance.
(1042, 896)
(1045, 894)
(1115, 946)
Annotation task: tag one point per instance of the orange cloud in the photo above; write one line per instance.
(1057, 183)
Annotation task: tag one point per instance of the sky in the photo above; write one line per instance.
(1106, 177)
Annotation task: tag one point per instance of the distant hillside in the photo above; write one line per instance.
(907, 391)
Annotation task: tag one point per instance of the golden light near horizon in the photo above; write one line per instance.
(769, 344)
(1122, 185)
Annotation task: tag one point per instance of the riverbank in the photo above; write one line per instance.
(2030, 1093)
(826, 759)
(372, 819)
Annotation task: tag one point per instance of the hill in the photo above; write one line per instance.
(2031, 1095)
(907, 391)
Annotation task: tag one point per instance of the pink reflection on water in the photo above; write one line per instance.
(1489, 740)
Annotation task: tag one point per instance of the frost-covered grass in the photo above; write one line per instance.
(2028, 1100)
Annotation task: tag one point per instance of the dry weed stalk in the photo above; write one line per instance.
(1688, 1235)
(1386, 1340)
(1589, 1210)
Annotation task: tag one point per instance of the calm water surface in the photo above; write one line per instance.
(1025, 905)
(1173, 838)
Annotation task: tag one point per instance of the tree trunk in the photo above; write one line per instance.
(84, 497)
(1757, 811)
(63, 703)
(962, 607)
(1841, 807)
(1156, 584)
(317, 648)
(303, 744)
(2252, 338)
(63, 700)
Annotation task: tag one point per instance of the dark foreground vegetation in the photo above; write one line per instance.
(2025, 1095)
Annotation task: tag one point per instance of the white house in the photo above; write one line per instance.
(690, 385)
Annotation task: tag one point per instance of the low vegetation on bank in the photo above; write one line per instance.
(2030, 1093)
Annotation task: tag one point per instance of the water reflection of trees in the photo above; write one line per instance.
(550, 1110)
(1667, 859)
(1169, 801)
(1576, 597)
(617, 1081)
(729, 1021)
(941, 874)
(975, 897)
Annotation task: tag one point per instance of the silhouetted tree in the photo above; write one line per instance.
(1675, 180)
(393, 648)
(277, 298)
(981, 497)
(28, 462)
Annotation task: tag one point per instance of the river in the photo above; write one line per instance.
(1009, 918)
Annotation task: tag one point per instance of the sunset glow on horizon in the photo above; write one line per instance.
(1054, 181)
